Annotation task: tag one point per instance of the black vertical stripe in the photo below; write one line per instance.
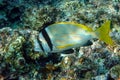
(39, 42)
(47, 38)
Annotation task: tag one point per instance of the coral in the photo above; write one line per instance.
(13, 57)
(5, 36)
(19, 55)
(92, 13)
(115, 72)
(29, 45)
(19, 60)
(36, 18)
(115, 33)
(1, 77)
(13, 54)
(10, 12)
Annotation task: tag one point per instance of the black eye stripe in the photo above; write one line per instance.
(39, 42)
(47, 38)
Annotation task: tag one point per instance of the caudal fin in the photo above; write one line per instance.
(103, 33)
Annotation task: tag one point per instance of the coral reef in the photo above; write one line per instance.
(10, 12)
(37, 18)
(115, 72)
(90, 62)
(20, 23)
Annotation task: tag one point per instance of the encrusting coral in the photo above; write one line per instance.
(19, 60)
(36, 18)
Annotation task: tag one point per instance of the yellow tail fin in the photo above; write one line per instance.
(103, 33)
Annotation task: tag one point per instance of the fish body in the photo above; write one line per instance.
(66, 35)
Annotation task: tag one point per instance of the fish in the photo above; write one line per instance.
(63, 36)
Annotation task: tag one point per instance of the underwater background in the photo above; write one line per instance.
(22, 20)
